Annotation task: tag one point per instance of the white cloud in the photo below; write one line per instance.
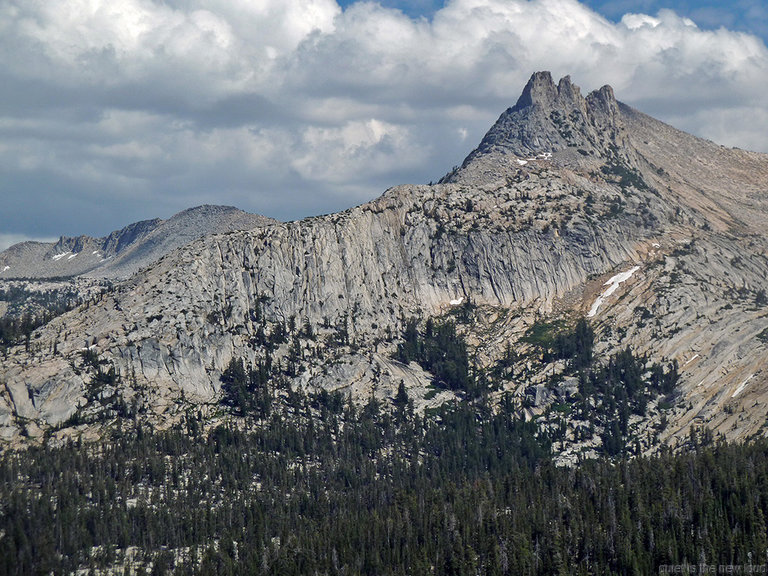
(729, 127)
(336, 154)
(291, 107)
(636, 21)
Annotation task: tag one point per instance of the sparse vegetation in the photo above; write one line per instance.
(625, 175)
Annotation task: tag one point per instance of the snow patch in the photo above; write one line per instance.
(741, 387)
(613, 285)
(457, 302)
(521, 162)
(6, 268)
(95, 252)
(71, 256)
(60, 256)
(690, 360)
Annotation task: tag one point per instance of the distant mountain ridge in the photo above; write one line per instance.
(125, 251)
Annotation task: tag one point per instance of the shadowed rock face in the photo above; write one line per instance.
(563, 193)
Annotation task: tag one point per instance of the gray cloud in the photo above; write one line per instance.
(114, 112)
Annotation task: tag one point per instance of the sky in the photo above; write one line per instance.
(114, 112)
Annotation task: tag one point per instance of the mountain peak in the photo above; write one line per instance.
(551, 118)
(541, 91)
(603, 107)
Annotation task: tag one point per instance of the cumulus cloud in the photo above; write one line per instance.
(115, 111)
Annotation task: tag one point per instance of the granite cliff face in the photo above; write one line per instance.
(563, 194)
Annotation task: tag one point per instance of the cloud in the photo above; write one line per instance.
(111, 112)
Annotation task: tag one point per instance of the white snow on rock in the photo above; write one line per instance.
(6, 268)
(613, 285)
(741, 387)
(691, 360)
(522, 162)
(457, 302)
(60, 256)
(71, 256)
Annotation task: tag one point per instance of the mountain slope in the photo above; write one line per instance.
(571, 206)
(122, 252)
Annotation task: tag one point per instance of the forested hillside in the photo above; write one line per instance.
(341, 490)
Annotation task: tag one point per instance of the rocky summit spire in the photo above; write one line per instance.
(542, 92)
(604, 109)
(540, 89)
(552, 118)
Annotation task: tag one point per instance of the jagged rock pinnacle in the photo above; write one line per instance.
(604, 109)
(541, 91)
(552, 118)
